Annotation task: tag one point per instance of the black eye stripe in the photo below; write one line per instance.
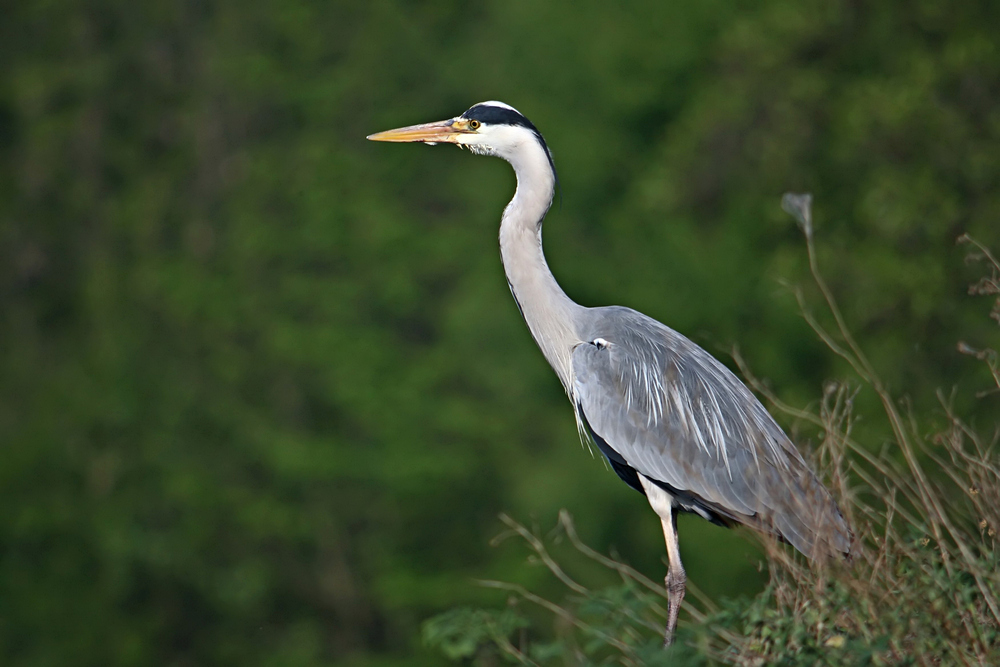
(486, 113)
(492, 115)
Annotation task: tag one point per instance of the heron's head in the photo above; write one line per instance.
(488, 128)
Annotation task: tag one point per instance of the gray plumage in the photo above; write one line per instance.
(679, 417)
(673, 422)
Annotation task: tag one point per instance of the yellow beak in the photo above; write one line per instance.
(446, 131)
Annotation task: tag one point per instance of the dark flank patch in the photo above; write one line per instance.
(626, 472)
(687, 502)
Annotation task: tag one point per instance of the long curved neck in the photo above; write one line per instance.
(550, 314)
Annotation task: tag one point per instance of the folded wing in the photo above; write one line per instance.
(676, 415)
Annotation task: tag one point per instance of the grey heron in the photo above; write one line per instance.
(673, 422)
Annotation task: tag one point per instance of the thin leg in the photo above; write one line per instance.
(663, 504)
(676, 577)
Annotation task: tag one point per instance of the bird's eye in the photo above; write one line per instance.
(474, 124)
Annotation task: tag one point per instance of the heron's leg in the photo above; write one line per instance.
(676, 578)
(663, 504)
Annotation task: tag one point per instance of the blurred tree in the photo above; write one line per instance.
(263, 388)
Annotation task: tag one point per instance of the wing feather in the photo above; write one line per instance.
(678, 416)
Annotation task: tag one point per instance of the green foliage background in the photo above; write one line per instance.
(263, 390)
